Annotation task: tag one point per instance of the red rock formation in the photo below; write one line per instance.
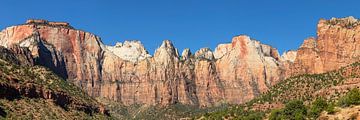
(234, 73)
(337, 44)
(246, 68)
(17, 55)
(201, 79)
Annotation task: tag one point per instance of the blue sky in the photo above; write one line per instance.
(187, 23)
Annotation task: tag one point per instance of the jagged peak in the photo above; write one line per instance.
(129, 43)
(186, 54)
(167, 44)
(240, 38)
(270, 51)
(289, 55)
(166, 49)
(132, 50)
(118, 44)
(309, 43)
(204, 53)
(244, 41)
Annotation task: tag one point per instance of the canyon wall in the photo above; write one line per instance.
(233, 73)
(337, 44)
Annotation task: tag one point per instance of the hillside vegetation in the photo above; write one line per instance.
(34, 92)
(300, 97)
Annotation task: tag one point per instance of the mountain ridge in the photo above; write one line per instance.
(234, 72)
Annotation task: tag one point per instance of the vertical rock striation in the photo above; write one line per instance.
(337, 44)
(234, 73)
(246, 68)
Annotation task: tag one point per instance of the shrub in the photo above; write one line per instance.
(330, 108)
(317, 107)
(293, 107)
(253, 115)
(276, 114)
(294, 110)
(351, 98)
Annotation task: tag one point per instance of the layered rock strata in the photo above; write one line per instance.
(234, 73)
(337, 44)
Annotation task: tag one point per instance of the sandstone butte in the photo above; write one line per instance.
(233, 73)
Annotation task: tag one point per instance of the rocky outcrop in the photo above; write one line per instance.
(186, 54)
(246, 68)
(204, 53)
(21, 79)
(234, 73)
(45, 22)
(130, 50)
(31, 90)
(336, 45)
(289, 56)
(17, 55)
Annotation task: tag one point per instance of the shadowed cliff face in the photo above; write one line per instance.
(21, 80)
(234, 73)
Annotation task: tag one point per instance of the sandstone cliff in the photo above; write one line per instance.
(35, 92)
(234, 73)
(246, 68)
(336, 45)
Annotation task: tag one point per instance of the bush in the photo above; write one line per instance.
(294, 107)
(294, 110)
(253, 115)
(351, 98)
(276, 114)
(317, 107)
(330, 108)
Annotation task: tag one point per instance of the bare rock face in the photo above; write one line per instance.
(186, 54)
(246, 68)
(130, 50)
(204, 53)
(159, 80)
(221, 50)
(17, 55)
(289, 56)
(337, 44)
(72, 54)
(234, 73)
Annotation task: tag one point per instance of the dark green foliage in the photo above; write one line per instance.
(76, 105)
(294, 110)
(330, 108)
(317, 107)
(276, 114)
(237, 113)
(302, 88)
(351, 98)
